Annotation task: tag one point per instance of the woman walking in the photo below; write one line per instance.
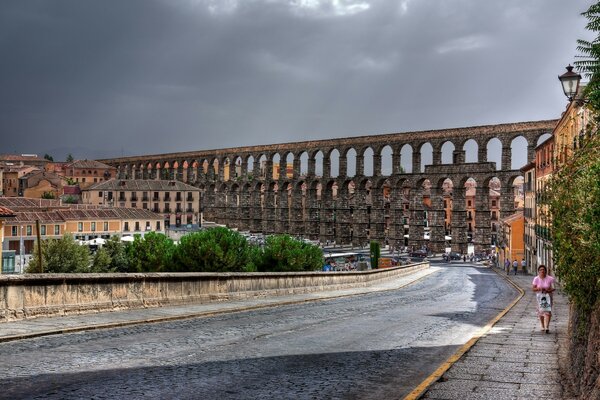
(543, 285)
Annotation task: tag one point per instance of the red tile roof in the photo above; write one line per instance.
(5, 212)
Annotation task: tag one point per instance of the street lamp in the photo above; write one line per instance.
(570, 82)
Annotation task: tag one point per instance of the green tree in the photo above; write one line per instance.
(375, 251)
(589, 58)
(62, 255)
(48, 157)
(151, 253)
(212, 250)
(284, 253)
(101, 262)
(48, 195)
(70, 157)
(117, 251)
(70, 200)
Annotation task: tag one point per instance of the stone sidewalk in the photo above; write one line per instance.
(515, 359)
(28, 328)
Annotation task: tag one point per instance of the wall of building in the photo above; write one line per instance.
(35, 295)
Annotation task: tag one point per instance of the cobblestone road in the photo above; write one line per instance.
(371, 346)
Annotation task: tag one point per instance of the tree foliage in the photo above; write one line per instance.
(48, 157)
(62, 255)
(117, 251)
(375, 252)
(151, 253)
(283, 253)
(70, 157)
(212, 250)
(101, 262)
(573, 198)
(588, 62)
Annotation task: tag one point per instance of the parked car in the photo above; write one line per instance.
(454, 256)
(418, 254)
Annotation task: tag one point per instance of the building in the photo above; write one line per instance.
(177, 202)
(24, 159)
(511, 240)
(529, 214)
(41, 184)
(8, 259)
(11, 174)
(88, 172)
(544, 167)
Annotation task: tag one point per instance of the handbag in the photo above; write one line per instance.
(544, 302)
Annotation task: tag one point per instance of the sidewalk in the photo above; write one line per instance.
(28, 328)
(515, 359)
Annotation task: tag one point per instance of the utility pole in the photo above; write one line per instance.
(39, 244)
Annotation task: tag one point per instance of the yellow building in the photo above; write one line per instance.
(512, 245)
(5, 214)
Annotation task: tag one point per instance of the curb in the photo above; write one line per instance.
(202, 314)
(437, 374)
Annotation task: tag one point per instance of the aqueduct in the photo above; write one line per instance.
(391, 187)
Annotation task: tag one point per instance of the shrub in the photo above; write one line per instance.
(62, 255)
(212, 250)
(151, 253)
(117, 251)
(283, 253)
(101, 262)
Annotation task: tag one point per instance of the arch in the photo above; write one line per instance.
(304, 163)
(318, 159)
(277, 166)
(426, 151)
(351, 162)
(406, 158)
(249, 164)
(334, 163)
(494, 152)
(368, 167)
(262, 165)
(447, 150)
(518, 156)
(542, 138)
(471, 149)
(289, 165)
(387, 167)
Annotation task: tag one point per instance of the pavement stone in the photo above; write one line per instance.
(515, 359)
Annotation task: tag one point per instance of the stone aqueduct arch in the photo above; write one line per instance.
(241, 191)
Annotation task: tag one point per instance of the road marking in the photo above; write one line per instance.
(437, 374)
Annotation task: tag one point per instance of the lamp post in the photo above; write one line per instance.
(570, 82)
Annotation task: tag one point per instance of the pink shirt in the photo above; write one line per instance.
(546, 283)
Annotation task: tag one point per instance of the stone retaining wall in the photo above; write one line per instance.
(34, 295)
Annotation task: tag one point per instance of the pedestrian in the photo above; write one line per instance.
(464, 258)
(543, 284)
(507, 266)
(515, 266)
(523, 265)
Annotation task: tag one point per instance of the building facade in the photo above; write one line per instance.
(178, 203)
(544, 167)
(86, 173)
(530, 214)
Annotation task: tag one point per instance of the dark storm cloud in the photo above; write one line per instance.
(105, 78)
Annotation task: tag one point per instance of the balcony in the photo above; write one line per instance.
(189, 210)
(146, 198)
(178, 210)
(167, 197)
(190, 197)
(167, 210)
(134, 198)
(178, 197)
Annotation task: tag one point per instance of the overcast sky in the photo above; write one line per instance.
(105, 78)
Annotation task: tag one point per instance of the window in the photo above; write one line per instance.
(29, 230)
(148, 225)
(137, 225)
(145, 206)
(14, 231)
(43, 230)
(80, 227)
(106, 226)
(469, 203)
(82, 179)
(93, 227)
(126, 227)
(133, 205)
(57, 229)
(100, 194)
(493, 203)
(158, 225)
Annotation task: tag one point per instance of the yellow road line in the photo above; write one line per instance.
(437, 374)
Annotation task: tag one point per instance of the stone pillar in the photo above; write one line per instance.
(269, 212)
(296, 166)
(458, 157)
(416, 229)
(396, 226)
(343, 230)
(327, 227)
(269, 169)
(179, 176)
(297, 212)
(314, 213)
(507, 201)
(459, 220)
(377, 218)
(505, 165)
(245, 209)
(360, 165)
(256, 169)
(437, 241)
(312, 163)
(481, 153)
(416, 161)
(256, 208)
(531, 152)
(482, 238)
(437, 157)
(244, 168)
(360, 218)
(396, 163)
(326, 167)
(343, 172)
(283, 219)
(377, 164)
